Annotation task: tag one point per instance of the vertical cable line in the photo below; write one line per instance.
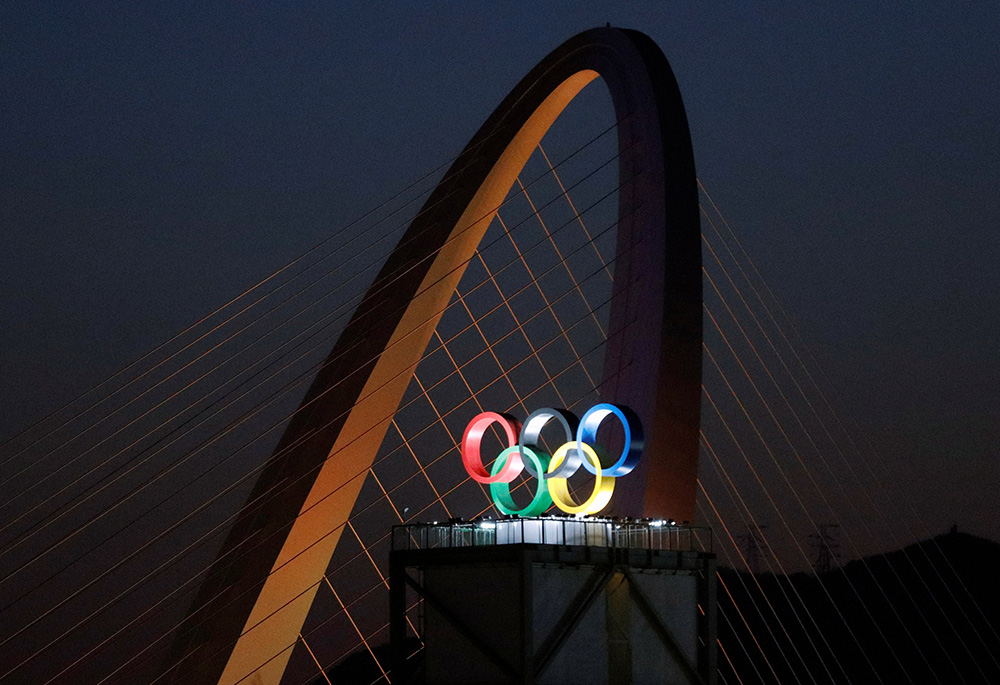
(819, 454)
(23, 539)
(106, 605)
(847, 433)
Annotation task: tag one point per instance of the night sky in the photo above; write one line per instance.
(156, 161)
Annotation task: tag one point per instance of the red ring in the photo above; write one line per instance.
(473, 438)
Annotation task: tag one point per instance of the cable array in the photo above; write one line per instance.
(120, 498)
(799, 459)
(124, 476)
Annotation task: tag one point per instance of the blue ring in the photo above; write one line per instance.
(587, 433)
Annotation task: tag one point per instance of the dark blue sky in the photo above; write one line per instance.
(154, 162)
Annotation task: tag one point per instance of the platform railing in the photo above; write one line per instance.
(589, 532)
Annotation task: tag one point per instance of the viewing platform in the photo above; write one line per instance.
(553, 600)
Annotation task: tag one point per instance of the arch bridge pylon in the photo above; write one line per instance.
(251, 608)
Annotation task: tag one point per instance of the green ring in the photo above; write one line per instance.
(501, 491)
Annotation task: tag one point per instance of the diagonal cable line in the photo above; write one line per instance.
(279, 609)
(569, 366)
(879, 584)
(430, 174)
(753, 636)
(781, 516)
(572, 205)
(774, 565)
(771, 608)
(357, 275)
(24, 538)
(818, 489)
(911, 516)
(275, 425)
(222, 527)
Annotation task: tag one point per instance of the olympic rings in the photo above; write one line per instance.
(523, 453)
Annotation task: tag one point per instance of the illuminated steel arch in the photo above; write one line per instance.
(262, 586)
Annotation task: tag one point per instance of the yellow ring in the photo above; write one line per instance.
(604, 486)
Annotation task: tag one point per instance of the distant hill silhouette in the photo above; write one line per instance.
(910, 610)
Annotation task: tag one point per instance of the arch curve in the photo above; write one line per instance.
(258, 601)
